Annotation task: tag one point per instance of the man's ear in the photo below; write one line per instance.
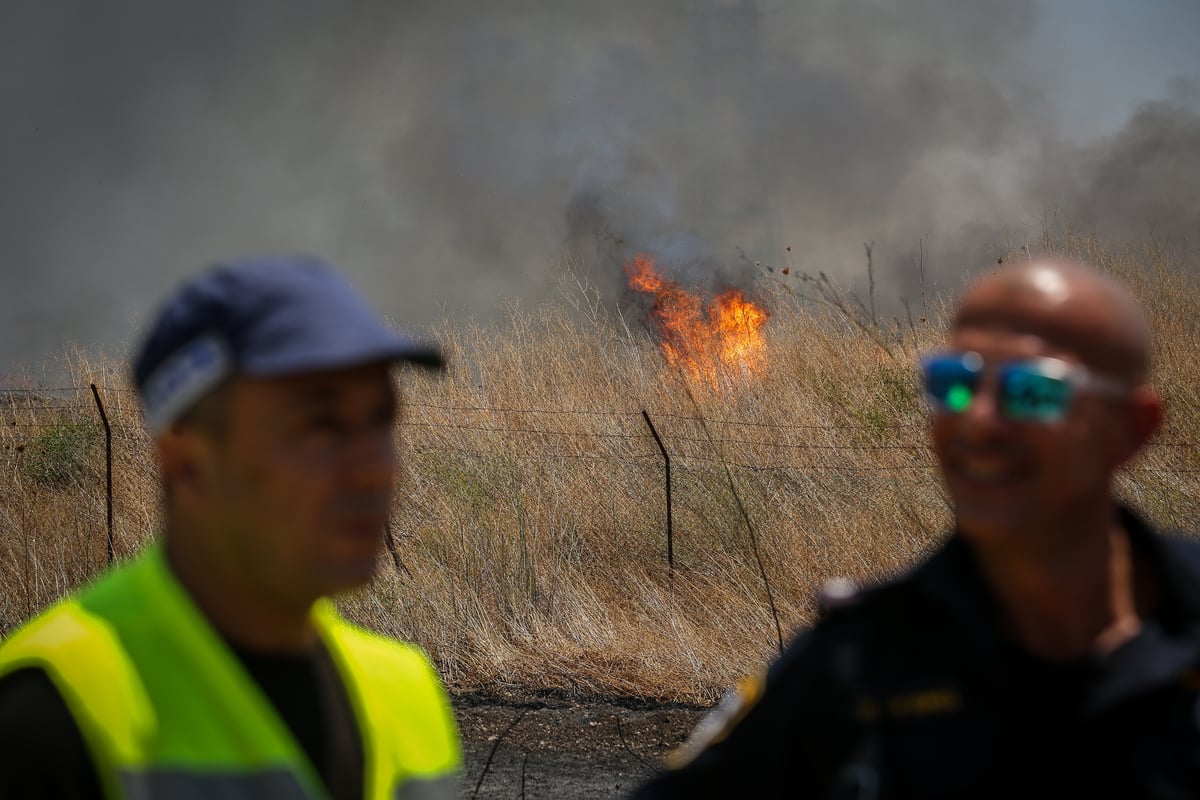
(1144, 414)
(182, 452)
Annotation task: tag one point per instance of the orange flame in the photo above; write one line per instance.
(707, 342)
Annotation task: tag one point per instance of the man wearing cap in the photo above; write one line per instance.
(214, 664)
(1051, 646)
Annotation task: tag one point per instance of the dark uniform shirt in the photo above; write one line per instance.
(909, 690)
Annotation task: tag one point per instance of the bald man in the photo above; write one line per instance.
(1051, 647)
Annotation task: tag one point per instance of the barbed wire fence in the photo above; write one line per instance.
(78, 438)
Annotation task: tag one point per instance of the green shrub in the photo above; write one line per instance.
(60, 456)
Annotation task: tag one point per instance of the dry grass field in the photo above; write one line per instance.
(530, 528)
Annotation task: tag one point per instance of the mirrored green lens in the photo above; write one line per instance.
(958, 398)
(1027, 394)
(950, 381)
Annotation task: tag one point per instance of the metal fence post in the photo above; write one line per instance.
(107, 468)
(667, 472)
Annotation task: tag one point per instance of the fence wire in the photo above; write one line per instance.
(51, 439)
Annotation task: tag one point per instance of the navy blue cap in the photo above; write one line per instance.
(265, 317)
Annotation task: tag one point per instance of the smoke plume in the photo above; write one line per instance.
(448, 154)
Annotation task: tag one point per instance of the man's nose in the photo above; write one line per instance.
(984, 415)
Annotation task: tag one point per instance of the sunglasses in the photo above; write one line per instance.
(1029, 390)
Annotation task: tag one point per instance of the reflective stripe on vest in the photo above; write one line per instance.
(277, 785)
(167, 710)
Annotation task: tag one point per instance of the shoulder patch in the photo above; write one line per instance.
(718, 722)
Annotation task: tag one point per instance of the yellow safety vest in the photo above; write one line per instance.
(167, 710)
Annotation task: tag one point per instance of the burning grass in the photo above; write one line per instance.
(720, 342)
(531, 519)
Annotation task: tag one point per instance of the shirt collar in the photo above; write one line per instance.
(952, 577)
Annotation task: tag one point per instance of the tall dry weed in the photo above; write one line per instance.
(530, 523)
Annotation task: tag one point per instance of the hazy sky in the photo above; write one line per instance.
(452, 155)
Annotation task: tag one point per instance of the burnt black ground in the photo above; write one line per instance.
(546, 745)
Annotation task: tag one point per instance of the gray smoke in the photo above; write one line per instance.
(1143, 180)
(451, 154)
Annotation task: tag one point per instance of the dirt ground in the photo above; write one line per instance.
(541, 745)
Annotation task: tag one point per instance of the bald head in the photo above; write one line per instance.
(1068, 305)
